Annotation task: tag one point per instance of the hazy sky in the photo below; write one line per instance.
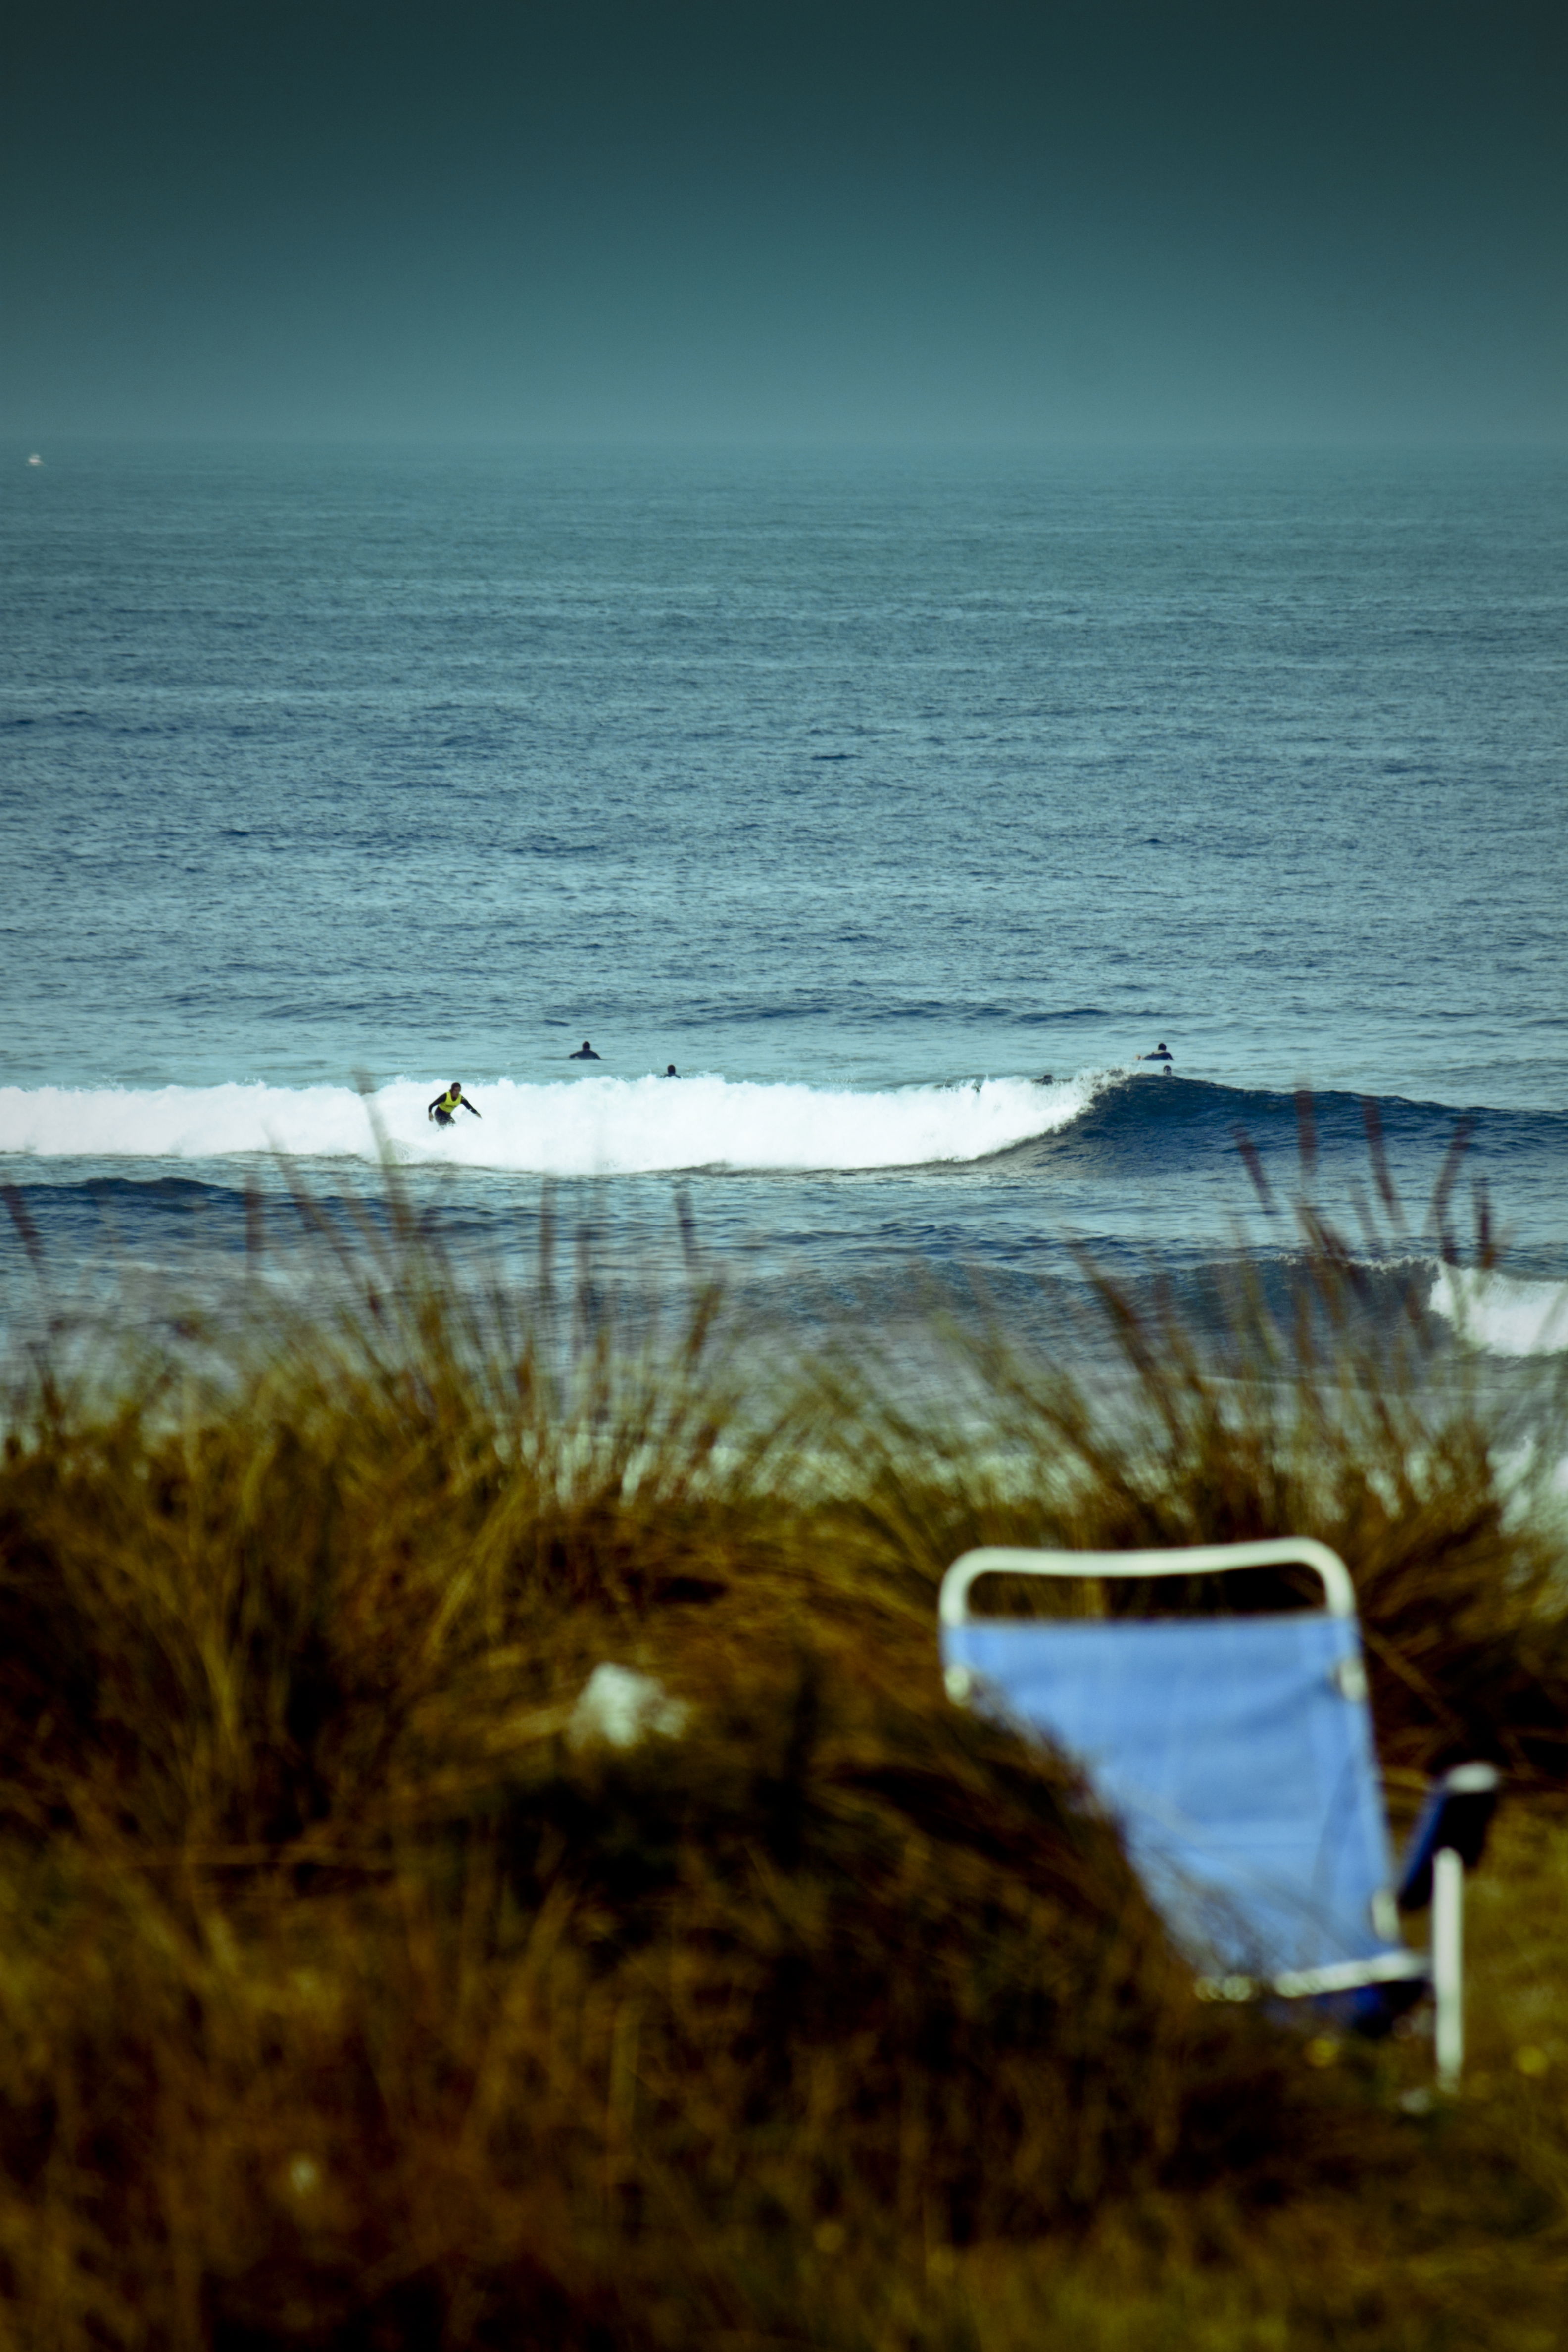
(1011, 220)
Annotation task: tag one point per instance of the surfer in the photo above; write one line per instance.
(444, 1109)
(672, 1072)
(1162, 1053)
(584, 1053)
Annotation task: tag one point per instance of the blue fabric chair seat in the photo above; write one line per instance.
(1236, 1755)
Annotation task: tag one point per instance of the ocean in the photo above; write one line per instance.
(900, 801)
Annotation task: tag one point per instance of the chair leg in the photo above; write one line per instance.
(1449, 1964)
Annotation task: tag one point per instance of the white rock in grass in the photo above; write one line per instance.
(621, 1707)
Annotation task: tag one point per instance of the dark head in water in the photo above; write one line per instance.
(584, 1053)
(671, 1071)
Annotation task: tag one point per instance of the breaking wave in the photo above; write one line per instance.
(1502, 1314)
(585, 1126)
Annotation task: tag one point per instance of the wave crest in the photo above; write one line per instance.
(596, 1126)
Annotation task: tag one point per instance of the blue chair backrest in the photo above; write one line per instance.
(1236, 1754)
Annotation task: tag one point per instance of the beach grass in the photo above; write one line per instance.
(358, 1989)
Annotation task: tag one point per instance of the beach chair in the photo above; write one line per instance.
(1236, 1755)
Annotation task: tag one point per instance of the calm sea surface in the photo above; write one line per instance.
(867, 790)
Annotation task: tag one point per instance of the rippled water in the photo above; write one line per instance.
(865, 790)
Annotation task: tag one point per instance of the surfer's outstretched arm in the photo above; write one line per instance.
(468, 1106)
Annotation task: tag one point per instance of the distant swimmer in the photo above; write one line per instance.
(584, 1053)
(1044, 1080)
(1162, 1053)
(672, 1072)
(444, 1109)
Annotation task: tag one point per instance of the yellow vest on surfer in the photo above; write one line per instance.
(444, 1109)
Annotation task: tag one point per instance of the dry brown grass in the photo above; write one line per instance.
(345, 2000)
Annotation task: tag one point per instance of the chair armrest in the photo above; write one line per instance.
(1457, 1816)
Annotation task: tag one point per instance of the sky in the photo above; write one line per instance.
(800, 221)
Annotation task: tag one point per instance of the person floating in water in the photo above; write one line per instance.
(584, 1053)
(444, 1109)
(1162, 1053)
(672, 1072)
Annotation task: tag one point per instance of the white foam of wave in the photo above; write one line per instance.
(1501, 1313)
(1527, 1471)
(583, 1126)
